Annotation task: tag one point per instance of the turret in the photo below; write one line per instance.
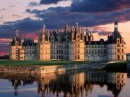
(82, 32)
(72, 31)
(86, 34)
(91, 37)
(48, 35)
(42, 35)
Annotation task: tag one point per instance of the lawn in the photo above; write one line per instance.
(36, 62)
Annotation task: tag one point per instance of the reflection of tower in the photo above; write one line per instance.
(116, 82)
(41, 88)
(77, 83)
(16, 83)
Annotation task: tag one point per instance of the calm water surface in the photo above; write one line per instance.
(81, 83)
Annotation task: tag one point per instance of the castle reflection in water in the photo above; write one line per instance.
(70, 84)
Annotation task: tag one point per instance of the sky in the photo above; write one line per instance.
(28, 16)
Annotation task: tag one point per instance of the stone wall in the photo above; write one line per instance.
(61, 68)
(40, 69)
(20, 69)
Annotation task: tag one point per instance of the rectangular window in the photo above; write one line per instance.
(122, 57)
(78, 45)
(122, 50)
(86, 51)
(118, 50)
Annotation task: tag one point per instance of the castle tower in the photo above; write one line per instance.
(15, 46)
(43, 47)
(91, 37)
(76, 47)
(116, 46)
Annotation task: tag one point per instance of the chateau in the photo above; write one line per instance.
(72, 44)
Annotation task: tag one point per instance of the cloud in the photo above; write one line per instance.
(90, 6)
(33, 4)
(32, 35)
(101, 31)
(5, 40)
(1, 17)
(11, 5)
(15, 15)
(105, 33)
(26, 25)
(3, 9)
(58, 16)
(50, 1)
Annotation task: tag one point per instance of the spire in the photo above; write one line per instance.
(43, 29)
(116, 33)
(17, 32)
(66, 24)
(76, 26)
(116, 26)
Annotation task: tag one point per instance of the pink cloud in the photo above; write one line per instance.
(5, 40)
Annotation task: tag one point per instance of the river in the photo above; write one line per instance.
(76, 83)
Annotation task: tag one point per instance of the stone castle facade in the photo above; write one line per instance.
(72, 44)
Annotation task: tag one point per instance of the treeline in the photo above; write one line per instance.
(4, 57)
(117, 67)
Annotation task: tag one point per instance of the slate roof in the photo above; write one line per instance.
(28, 42)
(100, 42)
(17, 39)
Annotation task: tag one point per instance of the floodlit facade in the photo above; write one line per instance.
(72, 44)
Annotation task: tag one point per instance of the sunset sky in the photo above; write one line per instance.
(29, 15)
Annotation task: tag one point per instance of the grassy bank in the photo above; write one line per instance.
(119, 67)
(36, 62)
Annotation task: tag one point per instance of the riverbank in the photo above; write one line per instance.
(35, 66)
(37, 69)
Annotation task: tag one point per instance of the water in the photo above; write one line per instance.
(79, 83)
